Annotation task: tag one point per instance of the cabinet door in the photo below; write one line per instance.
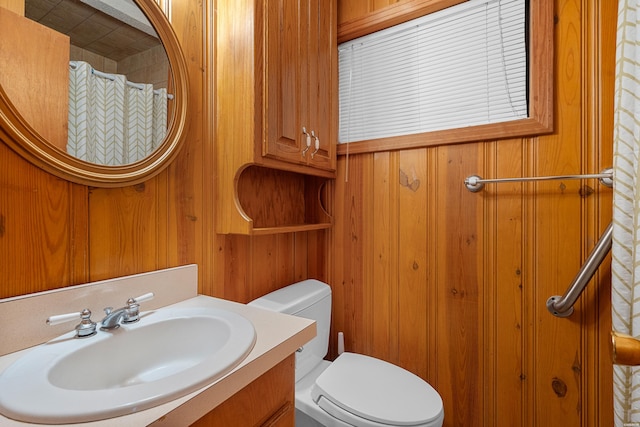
(285, 65)
(300, 78)
(267, 402)
(321, 81)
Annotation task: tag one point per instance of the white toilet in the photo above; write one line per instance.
(353, 390)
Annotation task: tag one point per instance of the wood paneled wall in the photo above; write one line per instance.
(449, 284)
(452, 285)
(54, 233)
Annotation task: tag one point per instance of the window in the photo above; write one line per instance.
(459, 74)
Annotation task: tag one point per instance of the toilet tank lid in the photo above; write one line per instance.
(294, 298)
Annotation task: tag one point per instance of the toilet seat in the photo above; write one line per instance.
(364, 392)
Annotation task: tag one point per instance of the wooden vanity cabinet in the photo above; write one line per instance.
(275, 99)
(269, 401)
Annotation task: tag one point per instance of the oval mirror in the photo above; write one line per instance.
(121, 130)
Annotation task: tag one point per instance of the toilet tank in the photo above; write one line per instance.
(310, 299)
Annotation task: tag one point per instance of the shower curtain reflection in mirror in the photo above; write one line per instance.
(112, 121)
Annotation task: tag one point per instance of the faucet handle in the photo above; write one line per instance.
(142, 298)
(85, 328)
(132, 313)
(62, 318)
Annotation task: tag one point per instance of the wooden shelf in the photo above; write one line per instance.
(291, 228)
(271, 201)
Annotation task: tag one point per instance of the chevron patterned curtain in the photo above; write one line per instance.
(111, 122)
(625, 265)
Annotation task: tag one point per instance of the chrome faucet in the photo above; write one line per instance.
(127, 314)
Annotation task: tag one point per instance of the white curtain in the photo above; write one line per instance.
(625, 265)
(112, 122)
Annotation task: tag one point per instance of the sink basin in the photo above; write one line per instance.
(169, 353)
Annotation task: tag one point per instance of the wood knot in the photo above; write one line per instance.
(412, 184)
(559, 387)
(458, 293)
(585, 191)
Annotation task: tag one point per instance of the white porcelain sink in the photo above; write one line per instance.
(169, 353)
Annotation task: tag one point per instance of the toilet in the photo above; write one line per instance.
(353, 390)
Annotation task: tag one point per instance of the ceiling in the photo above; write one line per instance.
(89, 28)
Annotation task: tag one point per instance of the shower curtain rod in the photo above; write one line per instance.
(112, 77)
(475, 183)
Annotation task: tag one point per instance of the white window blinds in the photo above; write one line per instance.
(462, 66)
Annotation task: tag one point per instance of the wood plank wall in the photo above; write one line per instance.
(449, 284)
(452, 285)
(54, 233)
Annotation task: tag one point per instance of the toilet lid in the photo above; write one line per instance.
(377, 391)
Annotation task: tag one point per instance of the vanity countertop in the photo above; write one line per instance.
(277, 337)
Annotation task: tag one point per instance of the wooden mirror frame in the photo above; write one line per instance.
(24, 140)
(540, 120)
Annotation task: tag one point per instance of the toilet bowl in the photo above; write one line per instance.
(354, 389)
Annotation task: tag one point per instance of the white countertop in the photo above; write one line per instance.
(277, 337)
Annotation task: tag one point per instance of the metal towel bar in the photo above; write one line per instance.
(475, 183)
(562, 306)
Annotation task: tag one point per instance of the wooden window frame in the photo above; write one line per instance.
(540, 120)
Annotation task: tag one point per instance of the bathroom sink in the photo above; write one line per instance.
(169, 353)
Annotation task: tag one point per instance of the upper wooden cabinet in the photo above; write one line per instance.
(276, 109)
(300, 43)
